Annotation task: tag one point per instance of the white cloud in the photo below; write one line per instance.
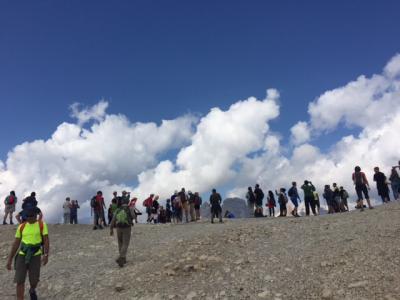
(300, 133)
(221, 140)
(83, 115)
(76, 162)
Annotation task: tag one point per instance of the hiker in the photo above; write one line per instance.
(197, 204)
(168, 211)
(97, 204)
(328, 196)
(113, 206)
(282, 200)
(67, 210)
(316, 201)
(185, 205)
(177, 208)
(381, 185)
(125, 197)
(395, 183)
(362, 186)
(154, 210)
(74, 212)
(336, 198)
(134, 211)
(9, 207)
(308, 189)
(259, 195)
(251, 200)
(162, 215)
(148, 203)
(271, 203)
(229, 215)
(294, 196)
(344, 195)
(28, 242)
(122, 221)
(216, 209)
(191, 200)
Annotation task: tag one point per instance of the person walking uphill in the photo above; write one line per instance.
(216, 209)
(123, 222)
(381, 185)
(309, 190)
(9, 209)
(28, 243)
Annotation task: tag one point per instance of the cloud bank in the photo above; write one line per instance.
(230, 148)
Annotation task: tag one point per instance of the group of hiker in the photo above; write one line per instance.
(31, 245)
(336, 197)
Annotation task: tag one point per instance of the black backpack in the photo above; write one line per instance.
(93, 202)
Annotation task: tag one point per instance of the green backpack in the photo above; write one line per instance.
(122, 217)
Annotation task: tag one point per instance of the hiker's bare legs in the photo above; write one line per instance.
(20, 291)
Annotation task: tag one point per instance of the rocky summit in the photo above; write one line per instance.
(352, 255)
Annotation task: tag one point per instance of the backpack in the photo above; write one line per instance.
(198, 201)
(291, 192)
(10, 200)
(122, 218)
(93, 202)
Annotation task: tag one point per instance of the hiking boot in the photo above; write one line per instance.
(32, 294)
(95, 227)
(120, 262)
(5, 223)
(11, 223)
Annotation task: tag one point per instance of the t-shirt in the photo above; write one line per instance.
(66, 207)
(380, 178)
(31, 235)
(308, 190)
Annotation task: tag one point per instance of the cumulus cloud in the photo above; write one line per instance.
(359, 103)
(96, 112)
(76, 162)
(221, 140)
(300, 133)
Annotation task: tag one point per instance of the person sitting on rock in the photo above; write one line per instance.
(229, 215)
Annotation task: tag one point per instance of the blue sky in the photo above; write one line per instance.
(156, 60)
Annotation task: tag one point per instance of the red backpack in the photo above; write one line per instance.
(10, 200)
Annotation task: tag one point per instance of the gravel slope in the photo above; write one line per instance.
(344, 256)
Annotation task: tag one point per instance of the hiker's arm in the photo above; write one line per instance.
(13, 251)
(46, 245)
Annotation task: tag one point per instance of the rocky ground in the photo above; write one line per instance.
(344, 256)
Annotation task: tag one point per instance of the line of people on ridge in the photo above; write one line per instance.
(336, 197)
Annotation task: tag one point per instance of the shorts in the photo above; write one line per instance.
(360, 189)
(9, 209)
(33, 268)
(295, 202)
